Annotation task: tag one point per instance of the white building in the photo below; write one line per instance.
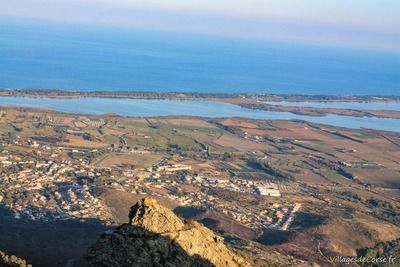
(269, 190)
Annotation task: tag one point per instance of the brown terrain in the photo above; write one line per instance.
(345, 183)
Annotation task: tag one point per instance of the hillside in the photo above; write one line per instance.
(155, 236)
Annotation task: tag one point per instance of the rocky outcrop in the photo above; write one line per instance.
(12, 261)
(155, 236)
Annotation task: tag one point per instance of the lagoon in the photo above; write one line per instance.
(342, 105)
(165, 107)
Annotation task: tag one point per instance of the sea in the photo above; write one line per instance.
(39, 55)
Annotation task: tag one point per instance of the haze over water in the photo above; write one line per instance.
(63, 56)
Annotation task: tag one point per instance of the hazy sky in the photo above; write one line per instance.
(349, 23)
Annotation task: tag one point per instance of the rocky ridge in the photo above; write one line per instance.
(155, 236)
(12, 261)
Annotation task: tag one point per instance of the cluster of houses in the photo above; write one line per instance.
(48, 189)
(55, 193)
(277, 216)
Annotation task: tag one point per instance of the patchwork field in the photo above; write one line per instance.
(344, 183)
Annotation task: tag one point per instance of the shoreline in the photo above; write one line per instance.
(366, 125)
(63, 93)
(54, 112)
(249, 101)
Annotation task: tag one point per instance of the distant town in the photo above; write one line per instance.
(272, 184)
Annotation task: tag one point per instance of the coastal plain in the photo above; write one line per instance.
(284, 187)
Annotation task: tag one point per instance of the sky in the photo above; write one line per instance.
(366, 24)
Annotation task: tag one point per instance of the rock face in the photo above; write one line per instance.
(155, 236)
(12, 261)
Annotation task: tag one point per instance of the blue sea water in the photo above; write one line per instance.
(76, 57)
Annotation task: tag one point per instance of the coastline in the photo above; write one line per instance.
(54, 112)
(61, 93)
(250, 101)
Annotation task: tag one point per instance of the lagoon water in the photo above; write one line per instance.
(341, 105)
(77, 57)
(150, 108)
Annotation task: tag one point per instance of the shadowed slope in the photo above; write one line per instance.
(155, 236)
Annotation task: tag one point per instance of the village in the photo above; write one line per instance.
(52, 187)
